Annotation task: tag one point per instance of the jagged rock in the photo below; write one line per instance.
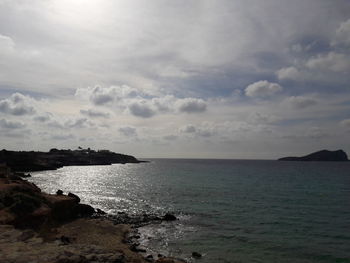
(59, 192)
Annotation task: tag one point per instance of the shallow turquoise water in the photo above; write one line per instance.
(229, 210)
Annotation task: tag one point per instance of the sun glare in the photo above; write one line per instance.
(84, 13)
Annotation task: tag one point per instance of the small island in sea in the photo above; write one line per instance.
(321, 156)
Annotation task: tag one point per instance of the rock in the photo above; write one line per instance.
(321, 156)
(196, 255)
(85, 210)
(59, 192)
(74, 196)
(149, 258)
(100, 212)
(169, 217)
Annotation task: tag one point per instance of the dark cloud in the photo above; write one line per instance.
(16, 104)
(127, 131)
(11, 124)
(141, 109)
(301, 102)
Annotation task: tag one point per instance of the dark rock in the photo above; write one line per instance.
(135, 248)
(65, 240)
(169, 217)
(74, 196)
(100, 212)
(196, 255)
(149, 258)
(321, 156)
(85, 210)
(59, 192)
(23, 175)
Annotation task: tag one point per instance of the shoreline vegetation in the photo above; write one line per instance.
(57, 228)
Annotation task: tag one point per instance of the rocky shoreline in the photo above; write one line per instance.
(26, 161)
(40, 227)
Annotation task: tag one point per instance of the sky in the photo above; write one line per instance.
(242, 79)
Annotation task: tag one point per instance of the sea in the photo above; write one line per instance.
(228, 210)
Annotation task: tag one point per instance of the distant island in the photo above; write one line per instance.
(321, 156)
(27, 161)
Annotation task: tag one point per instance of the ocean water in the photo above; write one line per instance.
(229, 210)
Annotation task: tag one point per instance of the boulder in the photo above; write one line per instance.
(196, 255)
(74, 196)
(169, 217)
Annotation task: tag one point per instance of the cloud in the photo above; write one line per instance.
(77, 123)
(291, 73)
(6, 44)
(11, 124)
(141, 109)
(170, 137)
(189, 128)
(43, 117)
(262, 88)
(301, 102)
(94, 113)
(62, 137)
(261, 118)
(17, 104)
(127, 131)
(191, 105)
(345, 123)
(105, 95)
(336, 62)
(343, 34)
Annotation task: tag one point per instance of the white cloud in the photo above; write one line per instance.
(191, 105)
(17, 104)
(343, 34)
(291, 73)
(6, 44)
(262, 88)
(301, 102)
(336, 62)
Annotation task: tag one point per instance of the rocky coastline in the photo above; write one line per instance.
(57, 228)
(27, 161)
